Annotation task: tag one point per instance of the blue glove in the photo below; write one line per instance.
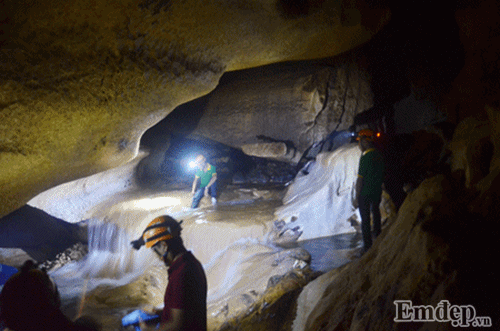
(138, 316)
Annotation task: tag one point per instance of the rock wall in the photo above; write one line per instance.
(432, 252)
(279, 111)
(442, 245)
(31, 233)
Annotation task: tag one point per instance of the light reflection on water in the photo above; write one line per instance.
(260, 211)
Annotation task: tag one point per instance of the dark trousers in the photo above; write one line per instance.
(200, 192)
(369, 204)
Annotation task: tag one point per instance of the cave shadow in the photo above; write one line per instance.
(182, 121)
(39, 234)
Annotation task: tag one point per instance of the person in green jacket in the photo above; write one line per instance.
(369, 186)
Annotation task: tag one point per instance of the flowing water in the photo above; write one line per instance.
(242, 242)
(231, 240)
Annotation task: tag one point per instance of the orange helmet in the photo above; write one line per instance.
(366, 133)
(161, 228)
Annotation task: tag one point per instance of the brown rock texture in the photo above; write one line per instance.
(422, 258)
(273, 310)
(81, 81)
(296, 105)
(442, 246)
(472, 150)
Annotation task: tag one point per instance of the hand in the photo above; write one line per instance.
(206, 191)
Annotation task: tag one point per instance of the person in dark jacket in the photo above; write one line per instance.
(369, 186)
(30, 301)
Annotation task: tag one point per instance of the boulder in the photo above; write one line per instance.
(30, 233)
(280, 110)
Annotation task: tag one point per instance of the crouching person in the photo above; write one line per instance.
(30, 301)
(186, 294)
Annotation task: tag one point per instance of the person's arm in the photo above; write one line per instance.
(359, 186)
(359, 181)
(196, 179)
(175, 323)
(212, 180)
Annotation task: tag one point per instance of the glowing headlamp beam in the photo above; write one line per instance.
(156, 203)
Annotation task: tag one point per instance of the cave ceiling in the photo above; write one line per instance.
(81, 81)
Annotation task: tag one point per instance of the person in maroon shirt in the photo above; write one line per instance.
(30, 301)
(186, 294)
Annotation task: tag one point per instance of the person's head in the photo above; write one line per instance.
(28, 299)
(163, 236)
(168, 250)
(200, 161)
(365, 139)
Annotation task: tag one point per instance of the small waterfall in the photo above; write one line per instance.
(110, 254)
(111, 259)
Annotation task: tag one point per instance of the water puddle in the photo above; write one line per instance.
(328, 253)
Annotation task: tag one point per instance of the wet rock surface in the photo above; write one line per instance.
(279, 111)
(272, 311)
(72, 254)
(418, 244)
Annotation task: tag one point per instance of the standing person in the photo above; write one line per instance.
(186, 294)
(206, 176)
(369, 186)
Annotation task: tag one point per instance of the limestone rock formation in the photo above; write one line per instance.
(271, 311)
(279, 111)
(421, 258)
(81, 81)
